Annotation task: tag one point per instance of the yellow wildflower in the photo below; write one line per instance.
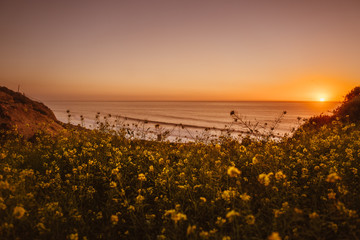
(227, 195)
(99, 215)
(190, 229)
(140, 198)
(277, 213)
(280, 175)
(352, 213)
(255, 159)
(73, 236)
(113, 184)
(203, 199)
(114, 219)
(331, 195)
(250, 219)
(204, 234)
(233, 171)
(41, 227)
(231, 215)
(298, 211)
(4, 185)
(242, 149)
(220, 221)
(274, 236)
(18, 212)
(115, 171)
(141, 177)
(245, 197)
(304, 171)
(175, 216)
(265, 178)
(313, 215)
(332, 177)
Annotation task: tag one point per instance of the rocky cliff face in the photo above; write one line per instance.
(28, 116)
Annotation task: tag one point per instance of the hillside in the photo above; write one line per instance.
(28, 116)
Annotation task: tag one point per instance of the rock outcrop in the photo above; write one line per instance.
(27, 116)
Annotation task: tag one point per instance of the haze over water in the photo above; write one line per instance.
(200, 115)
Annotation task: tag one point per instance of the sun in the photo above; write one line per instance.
(322, 99)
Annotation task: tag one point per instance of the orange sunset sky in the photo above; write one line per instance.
(181, 50)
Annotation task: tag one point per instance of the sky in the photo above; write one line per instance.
(185, 50)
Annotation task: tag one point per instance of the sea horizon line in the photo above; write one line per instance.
(233, 101)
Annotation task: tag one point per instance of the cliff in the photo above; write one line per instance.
(27, 116)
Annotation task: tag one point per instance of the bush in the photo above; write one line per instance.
(351, 106)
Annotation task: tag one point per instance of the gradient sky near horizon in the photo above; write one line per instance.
(181, 50)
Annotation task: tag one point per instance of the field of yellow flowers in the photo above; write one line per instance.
(94, 185)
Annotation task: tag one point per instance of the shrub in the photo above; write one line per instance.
(351, 106)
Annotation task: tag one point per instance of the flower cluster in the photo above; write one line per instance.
(96, 185)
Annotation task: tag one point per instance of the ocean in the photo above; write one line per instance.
(187, 121)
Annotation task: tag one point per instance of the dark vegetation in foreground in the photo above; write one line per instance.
(95, 185)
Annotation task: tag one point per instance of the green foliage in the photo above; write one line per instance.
(95, 185)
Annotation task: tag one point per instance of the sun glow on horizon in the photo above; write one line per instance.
(322, 99)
